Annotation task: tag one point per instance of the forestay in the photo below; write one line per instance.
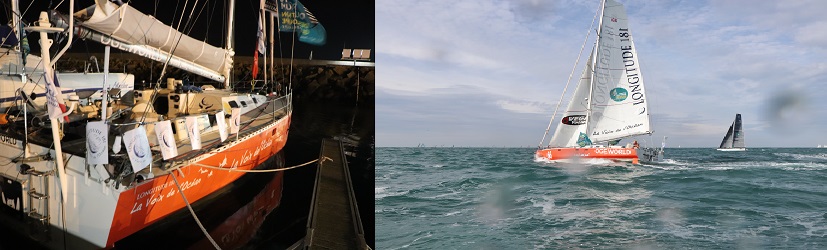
(573, 122)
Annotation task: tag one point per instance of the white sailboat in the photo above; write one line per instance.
(609, 102)
(100, 176)
(734, 138)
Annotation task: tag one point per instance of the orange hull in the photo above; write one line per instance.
(159, 197)
(616, 154)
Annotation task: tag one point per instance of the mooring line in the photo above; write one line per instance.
(259, 170)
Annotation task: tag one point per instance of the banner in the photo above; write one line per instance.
(261, 47)
(293, 17)
(97, 143)
(166, 140)
(222, 125)
(235, 121)
(194, 132)
(137, 147)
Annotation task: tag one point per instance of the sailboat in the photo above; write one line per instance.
(94, 171)
(734, 138)
(609, 102)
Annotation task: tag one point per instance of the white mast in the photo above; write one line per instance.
(46, 43)
(264, 23)
(594, 70)
(271, 52)
(230, 25)
(15, 16)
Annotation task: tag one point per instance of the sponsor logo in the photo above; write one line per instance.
(138, 150)
(618, 94)
(204, 104)
(613, 151)
(96, 141)
(574, 120)
(167, 138)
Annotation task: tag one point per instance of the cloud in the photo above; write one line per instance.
(467, 72)
(523, 107)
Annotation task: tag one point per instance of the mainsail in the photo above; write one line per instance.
(618, 106)
(128, 25)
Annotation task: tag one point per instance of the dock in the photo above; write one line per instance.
(333, 221)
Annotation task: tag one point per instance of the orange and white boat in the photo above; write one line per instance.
(617, 154)
(97, 171)
(609, 102)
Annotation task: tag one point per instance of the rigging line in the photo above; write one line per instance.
(166, 63)
(210, 14)
(281, 53)
(595, 52)
(58, 4)
(192, 21)
(194, 216)
(212, 145)
(569, 80)
(293, 46)
(262, 170)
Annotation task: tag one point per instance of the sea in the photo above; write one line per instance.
(697, 198)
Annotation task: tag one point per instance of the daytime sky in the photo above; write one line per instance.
(489, 73)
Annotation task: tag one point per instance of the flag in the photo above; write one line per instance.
(293, 17)
(97, 143)
(235, 120)
(166, 141)
(137, 147)
(222, 125)
(260, 44)
(54, 97)
(194, 132)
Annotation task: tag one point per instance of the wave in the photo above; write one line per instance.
(818, 157)
(382, 192)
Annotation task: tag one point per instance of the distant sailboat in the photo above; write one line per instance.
(734, 139)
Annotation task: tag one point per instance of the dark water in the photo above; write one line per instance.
(313, 121)
(286, 224)
(500, 198)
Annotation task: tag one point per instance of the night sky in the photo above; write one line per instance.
(349, 24)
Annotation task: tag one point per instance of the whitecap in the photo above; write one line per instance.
(382, 192)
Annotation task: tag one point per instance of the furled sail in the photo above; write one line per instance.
(618, 102)
(573, 123)
(128, 25)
